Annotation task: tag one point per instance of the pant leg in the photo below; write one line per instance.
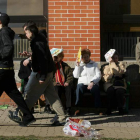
(54, 100)
(96, 94)
(59, 90)
(110, 97)
(81, 88)
(120, 96)
(1, 81)
(47, 102)
(12, 91)
(68, 96)
(34, 89)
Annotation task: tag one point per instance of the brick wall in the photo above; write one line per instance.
(74, 23)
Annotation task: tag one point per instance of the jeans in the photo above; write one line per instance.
(81, 89)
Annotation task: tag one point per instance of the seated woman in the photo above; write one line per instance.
(114, 83)
(88, 75)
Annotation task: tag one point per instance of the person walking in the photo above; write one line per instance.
(7, 80)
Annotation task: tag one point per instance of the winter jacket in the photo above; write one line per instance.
(6, 47)
(67, 73)
(87, 73)
(42, 61)
(112, 73)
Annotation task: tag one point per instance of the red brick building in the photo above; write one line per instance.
(94, 24)
(73, 24)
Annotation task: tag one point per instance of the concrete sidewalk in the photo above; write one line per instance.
(127, 126)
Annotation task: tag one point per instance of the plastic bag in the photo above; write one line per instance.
(79, 127)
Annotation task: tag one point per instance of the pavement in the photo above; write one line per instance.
(114, 126)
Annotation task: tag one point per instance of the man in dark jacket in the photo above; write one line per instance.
(40, 81)
(7, 80)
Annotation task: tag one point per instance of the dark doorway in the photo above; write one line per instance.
(120, 27)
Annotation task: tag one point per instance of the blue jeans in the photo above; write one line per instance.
(81, 89)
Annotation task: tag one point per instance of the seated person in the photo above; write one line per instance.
(63, 77)
(114, 83)
(88, 75)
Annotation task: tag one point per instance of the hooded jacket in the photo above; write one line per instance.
(87, 73)
(6, 47)
(42, 61)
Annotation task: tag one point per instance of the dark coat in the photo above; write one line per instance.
(42, 61)
(6, 47)
(67, 70)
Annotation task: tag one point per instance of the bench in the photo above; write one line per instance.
(88, 98)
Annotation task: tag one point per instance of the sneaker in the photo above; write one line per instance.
(56, 122)
(12, 115)
(27, 123)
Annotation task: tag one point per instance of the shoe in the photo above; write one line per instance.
(27, 123)
(77, 112)
(56, 122)
(47, 109)
(12, 115)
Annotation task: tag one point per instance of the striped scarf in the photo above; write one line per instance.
(59, 75)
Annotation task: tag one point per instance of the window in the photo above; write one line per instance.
(20, 12)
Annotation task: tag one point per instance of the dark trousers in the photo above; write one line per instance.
(115, 95)
(67, 91)
(81, 89)
(8, 84)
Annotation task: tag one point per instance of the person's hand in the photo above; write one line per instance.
(90, 85)
(110, 59)
(77, 62)
(25, 53)
(41, 82)
(26, 62)
(66, 84)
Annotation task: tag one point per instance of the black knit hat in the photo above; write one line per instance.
(4, 18)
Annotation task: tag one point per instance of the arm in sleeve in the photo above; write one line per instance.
(69, 75)
(76, 72)
(8, 45)
(42, 60)
(97, 76)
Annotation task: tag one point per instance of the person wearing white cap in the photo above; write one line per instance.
(114, 83)
(63, 77)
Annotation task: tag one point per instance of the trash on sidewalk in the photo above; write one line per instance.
(4, 106)
(79, 127)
